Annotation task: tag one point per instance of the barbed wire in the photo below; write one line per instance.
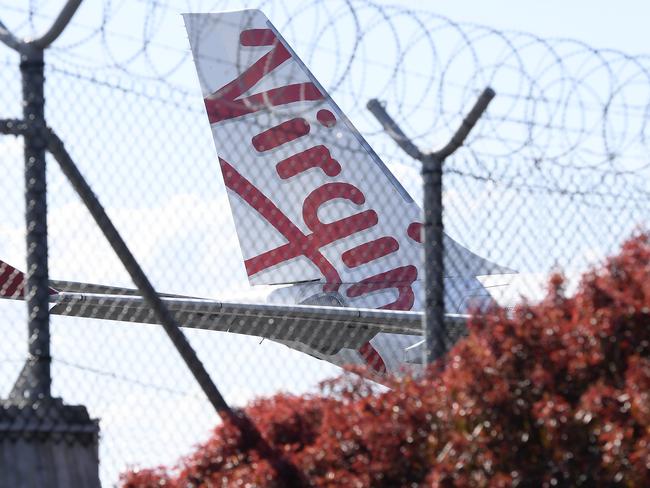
(567, 114)
(126, 379)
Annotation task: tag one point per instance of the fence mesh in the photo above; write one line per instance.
(554, 176)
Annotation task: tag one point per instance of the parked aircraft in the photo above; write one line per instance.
(315, 210)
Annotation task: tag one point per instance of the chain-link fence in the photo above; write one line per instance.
(554, 175)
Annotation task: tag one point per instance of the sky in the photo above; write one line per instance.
(132, 118)
(601, 24)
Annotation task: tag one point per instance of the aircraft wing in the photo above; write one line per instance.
(325, 329)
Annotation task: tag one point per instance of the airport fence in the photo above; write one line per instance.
(553, 176)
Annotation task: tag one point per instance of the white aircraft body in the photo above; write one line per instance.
(315, 209)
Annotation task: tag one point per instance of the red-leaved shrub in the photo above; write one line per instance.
(552, 394)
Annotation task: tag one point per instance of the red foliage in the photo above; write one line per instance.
(552, 394)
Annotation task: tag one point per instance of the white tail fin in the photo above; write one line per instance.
(310, 199)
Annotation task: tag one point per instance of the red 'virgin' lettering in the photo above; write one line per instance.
(314, 157)
(281, 134)
(326, 118)
(401, 278)
(414, 231)
(369, 251)
(298, 243)
(372, 358)
(341, 228)
(257, 37)
(225, 103)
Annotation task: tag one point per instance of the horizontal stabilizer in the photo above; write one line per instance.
(79, 287)
(326, 329)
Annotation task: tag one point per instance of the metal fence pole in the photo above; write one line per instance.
(35, 380)
(434, 249)
(435, 328)
(37, 290)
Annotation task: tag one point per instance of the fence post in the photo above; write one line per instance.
(434, 249)
(44, 441)
(37, 378)
(435, 327)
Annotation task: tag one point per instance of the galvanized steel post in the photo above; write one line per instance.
(434, 271)
(35, 379)
(36, 291)
(435, 332)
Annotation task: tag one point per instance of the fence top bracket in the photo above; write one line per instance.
(27, 46)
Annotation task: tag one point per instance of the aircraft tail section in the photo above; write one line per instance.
(311, 200)
(13, 282)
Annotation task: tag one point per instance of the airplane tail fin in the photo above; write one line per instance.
(13, 282)
(311, 200)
